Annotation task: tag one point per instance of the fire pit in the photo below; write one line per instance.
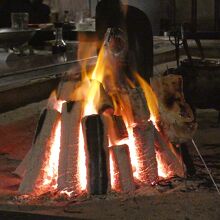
(102, 133)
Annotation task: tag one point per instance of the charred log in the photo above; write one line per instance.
(120, 128)
(105, 101)
(116, 128)
(97, 155)
(122, 164)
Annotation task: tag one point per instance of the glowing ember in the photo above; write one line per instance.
(82, 162)
(163, 170)
(113, 173)
(130, 141)
(51, 169)
(88, 92)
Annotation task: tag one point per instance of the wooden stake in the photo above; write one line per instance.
(66, 89)
(169, 156)
(34, 181)
(139, 106)
(122, 163)
(144, 142)
(68, 163)
(21, 169)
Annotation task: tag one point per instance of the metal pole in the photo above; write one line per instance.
(204, 163)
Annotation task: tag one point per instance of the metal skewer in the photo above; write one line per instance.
(204, 163)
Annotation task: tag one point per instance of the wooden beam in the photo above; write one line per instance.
(68, 177)
(169, 155)
(139, 106)
(123, 170)
(21, 169)
(144, 143)
(36, 176)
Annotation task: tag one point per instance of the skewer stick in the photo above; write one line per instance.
(204, 163)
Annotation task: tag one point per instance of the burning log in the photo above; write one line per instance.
(144, 142)
(37, 178)
(133, 105)
(123, 170)
(67, 85)
(65, 90)
(116, 128)
(119, 127)
(96, 143)
(68, 163)
(93, 91)
(105, 101)
(21, 169)
(170, 158)
(139, 106)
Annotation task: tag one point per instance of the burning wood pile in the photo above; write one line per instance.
(101, 133)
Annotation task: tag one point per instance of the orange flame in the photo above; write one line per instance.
(89, 92)
(92, 99)
(152, 101)
(150, 97)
